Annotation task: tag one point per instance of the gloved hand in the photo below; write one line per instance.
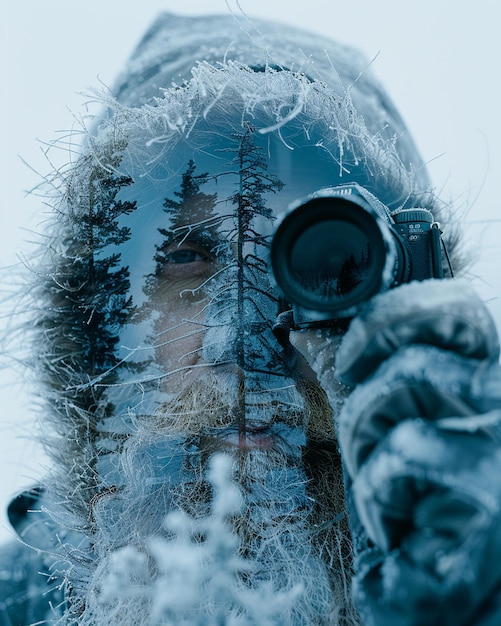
(420, 437)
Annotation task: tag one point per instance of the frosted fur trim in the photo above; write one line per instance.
(270, 100)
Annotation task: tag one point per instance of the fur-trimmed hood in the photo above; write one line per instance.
(197, 92)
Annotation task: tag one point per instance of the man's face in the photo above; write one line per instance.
(209, 296)
(208, 373)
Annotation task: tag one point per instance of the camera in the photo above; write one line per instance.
(335, 249)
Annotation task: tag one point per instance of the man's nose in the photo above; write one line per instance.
(239, 320)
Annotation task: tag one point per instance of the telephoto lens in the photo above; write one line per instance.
(337, 248)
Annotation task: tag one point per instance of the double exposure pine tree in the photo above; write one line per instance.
(192, 216)
(87, 287)
(247, 274)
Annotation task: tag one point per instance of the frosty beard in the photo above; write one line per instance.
(290, 531)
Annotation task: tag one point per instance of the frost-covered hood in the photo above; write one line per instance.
(174, 45)
(153, 335)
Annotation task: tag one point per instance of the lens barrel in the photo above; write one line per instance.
(334, 250)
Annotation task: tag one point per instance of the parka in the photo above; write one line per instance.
(212, 130)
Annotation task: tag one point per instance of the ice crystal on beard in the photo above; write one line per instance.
(201, 574)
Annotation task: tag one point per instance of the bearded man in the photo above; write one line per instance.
(213, 465)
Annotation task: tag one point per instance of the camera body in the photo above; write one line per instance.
(340, 246)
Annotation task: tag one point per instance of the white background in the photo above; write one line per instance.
(439, 60)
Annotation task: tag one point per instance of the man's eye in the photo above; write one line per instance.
(184, 256)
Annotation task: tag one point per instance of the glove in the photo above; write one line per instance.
(420, 437)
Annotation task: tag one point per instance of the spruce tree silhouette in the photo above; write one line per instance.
(241, 294)
(89, 287)
(254, 181)
(191, 216)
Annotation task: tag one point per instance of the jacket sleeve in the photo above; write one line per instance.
(28, 594)
(24, 590)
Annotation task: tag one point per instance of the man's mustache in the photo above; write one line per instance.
(224, 402)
